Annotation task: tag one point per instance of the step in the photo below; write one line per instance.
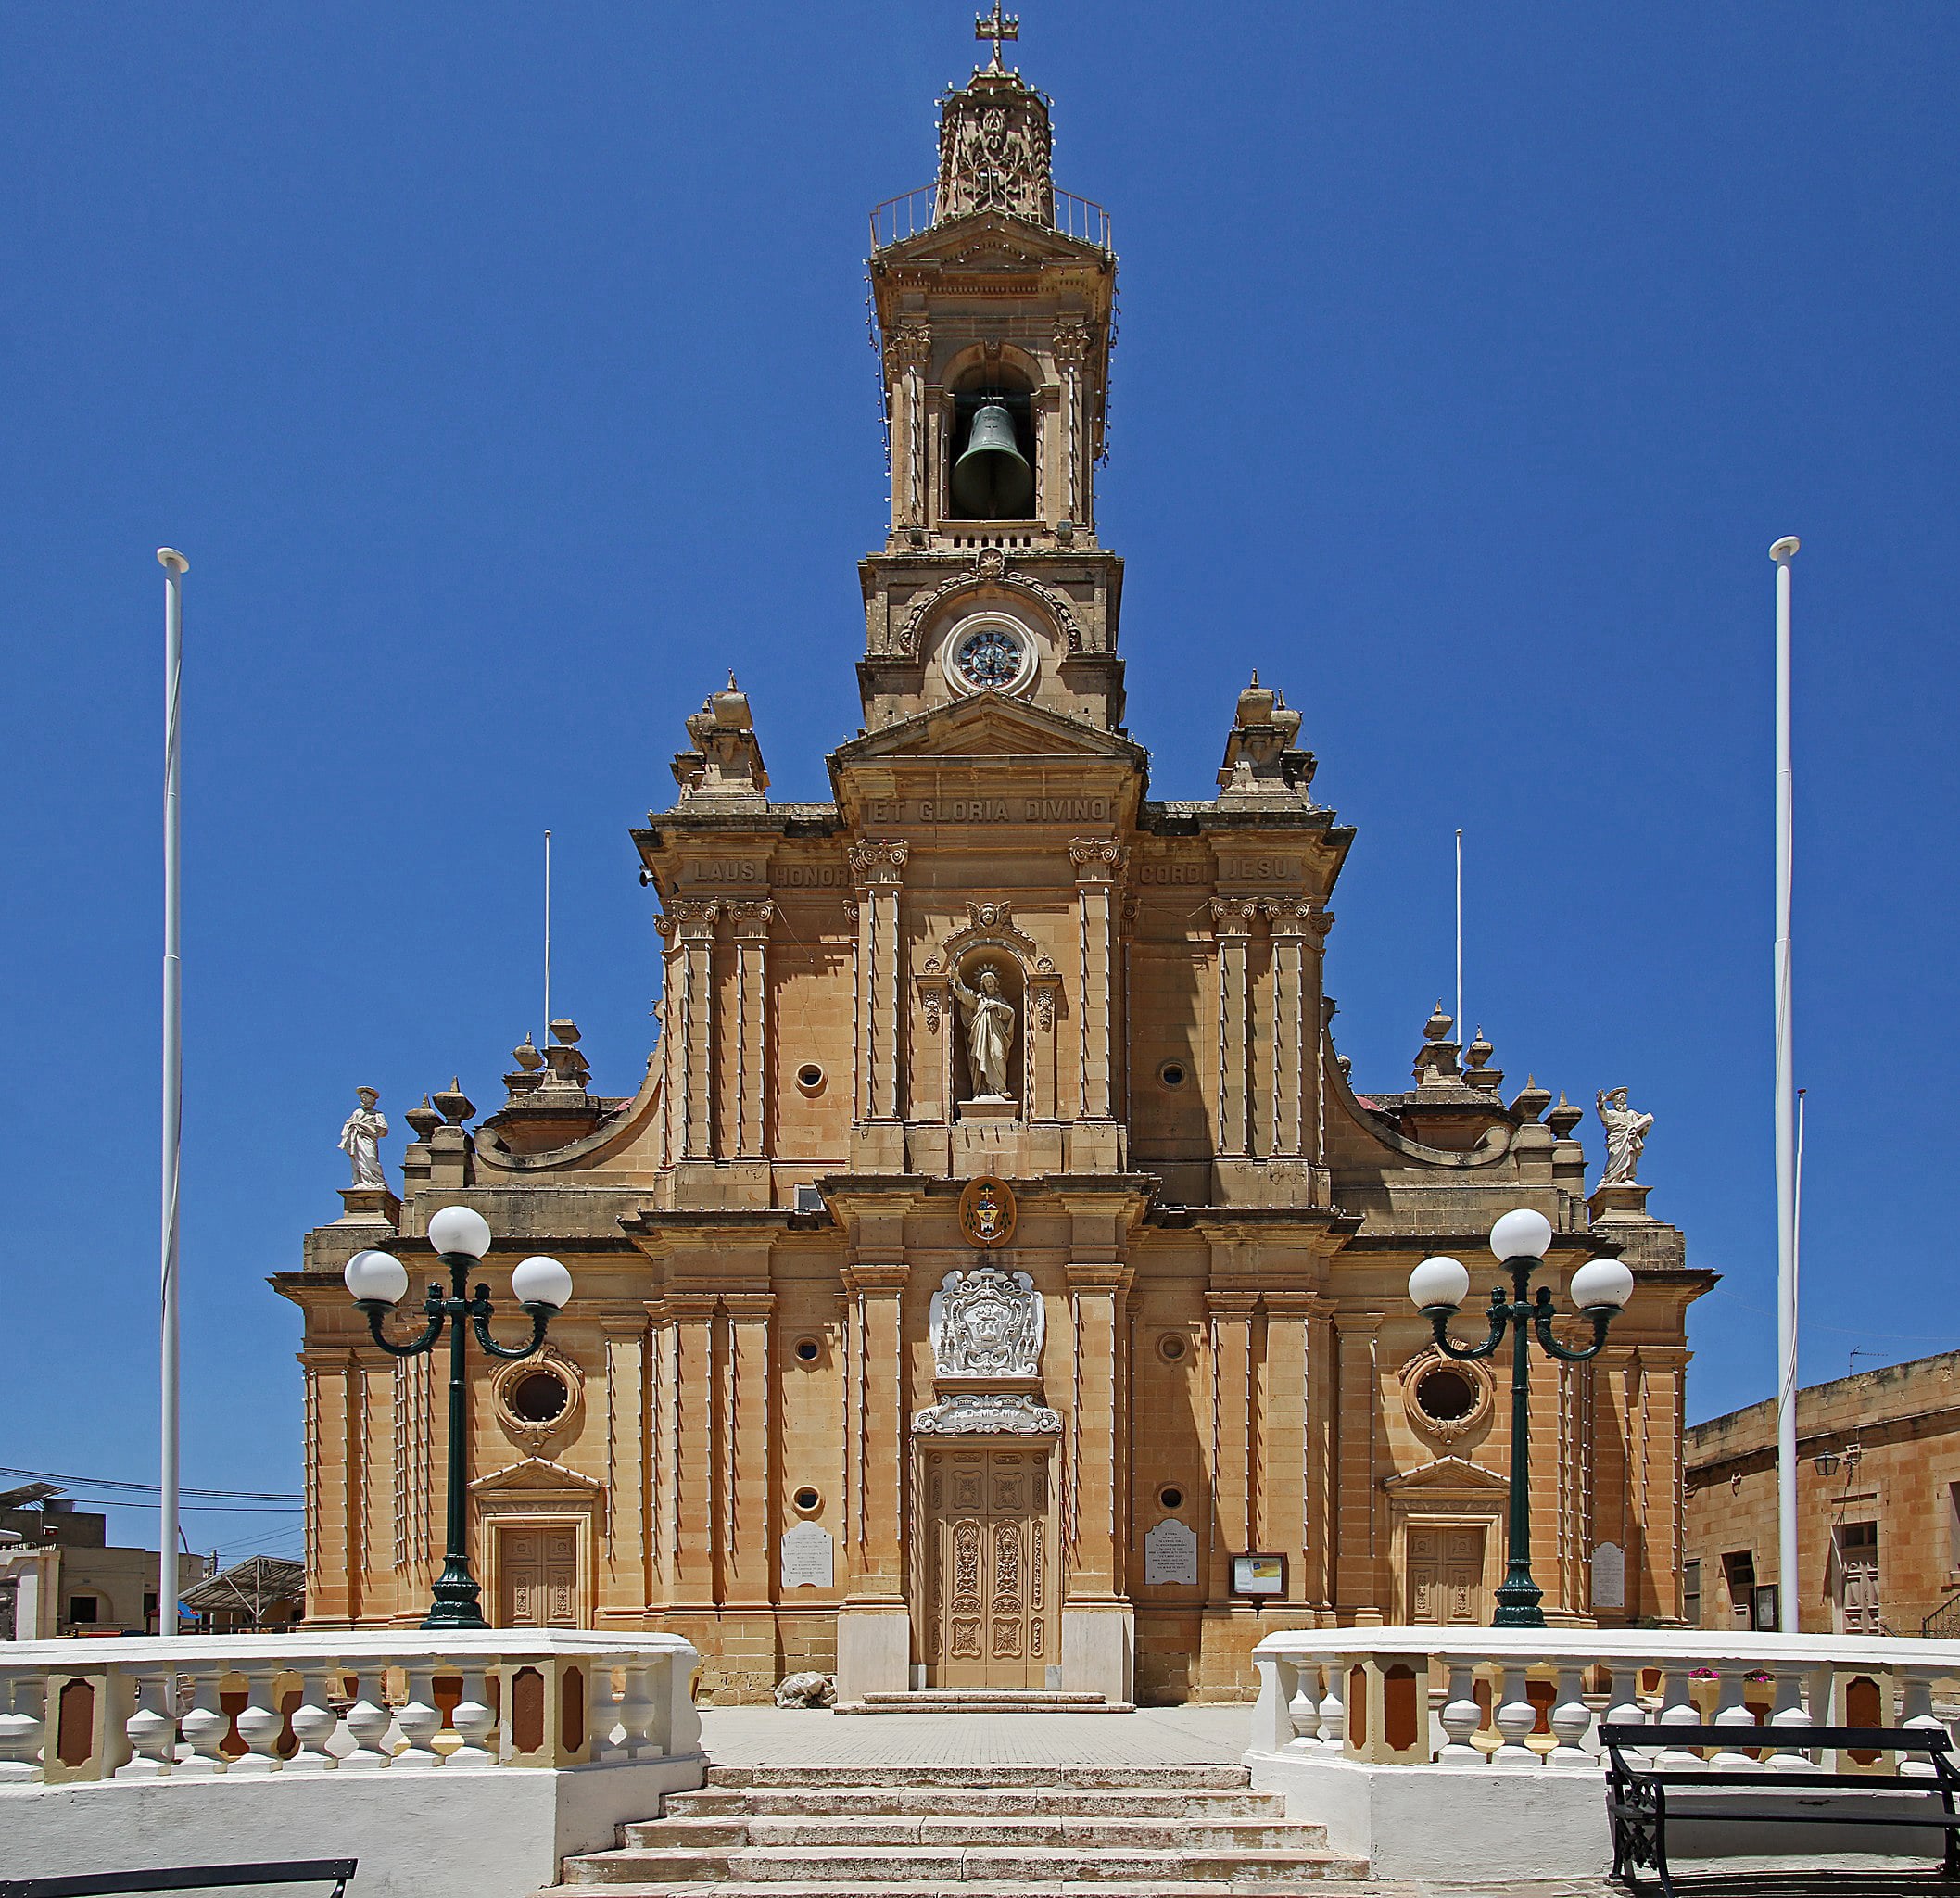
(1219, 1776)
(719, 1887)
(1003, 1802)
(1012, 1700)
(971, 1832)
(1025, 1867)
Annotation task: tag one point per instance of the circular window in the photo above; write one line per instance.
(1172, 1074)
(539, 1396)
(1173, 1346)
(807, 1501)
(989, 653)
(810, 1078)
(1171, 1496)
(1445, 1395)
(808, 1350)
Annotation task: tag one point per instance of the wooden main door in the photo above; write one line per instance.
(1445, 1578)
(537, 1571)
(990, 1610)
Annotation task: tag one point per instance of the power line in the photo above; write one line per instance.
(152, 1489)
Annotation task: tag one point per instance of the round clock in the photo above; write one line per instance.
(989, 653)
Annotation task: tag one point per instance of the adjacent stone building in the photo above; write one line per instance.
(1877, 1508)
(995, 1255)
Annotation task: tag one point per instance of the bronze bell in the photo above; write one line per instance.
(991, 480)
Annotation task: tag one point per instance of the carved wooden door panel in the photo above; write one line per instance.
(1446, 1577)
(990, 1619)
(540, 1570)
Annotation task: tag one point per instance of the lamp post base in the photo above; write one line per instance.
(458, 1598)
(1518, 1598)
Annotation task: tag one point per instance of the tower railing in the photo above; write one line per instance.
(913, 211)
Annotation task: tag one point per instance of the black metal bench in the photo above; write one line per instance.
(1640, 1800)
(185, 1878)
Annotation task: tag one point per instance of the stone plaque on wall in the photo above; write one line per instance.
(1608, 1575)
(1170, 1554)
(807, 1557)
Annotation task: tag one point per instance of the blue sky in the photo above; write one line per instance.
(502, 371)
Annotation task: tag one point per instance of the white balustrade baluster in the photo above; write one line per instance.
(368, 1721)
(205, 1725)
(151, 1730)
(20, 1729)
(1334, 1709)
(1678, 1709)
(314, 1722)
(260, 1723)
(1516, 1720)
(1915, 1707)
(1626, 1711)
(473, 1719)
(1788, 1716)
(638, 1712)
(602, 1712)
(1732, 1711)
(1461, 1718)
(419, 1721)
(1304, 1709)
(1571, 1721)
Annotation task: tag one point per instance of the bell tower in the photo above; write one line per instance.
(993, 295)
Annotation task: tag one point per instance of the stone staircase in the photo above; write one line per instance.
(1006, 1831)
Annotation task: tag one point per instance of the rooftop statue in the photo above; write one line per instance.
(360, 1139)
(1626, 1134)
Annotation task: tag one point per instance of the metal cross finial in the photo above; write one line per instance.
(997, 26)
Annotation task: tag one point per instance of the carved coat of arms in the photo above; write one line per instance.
(987, 1212)
(987, 1323)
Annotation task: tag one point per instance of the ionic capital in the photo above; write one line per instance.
(690, 921)
(878, 861)
(1234, 916)
(1097, 859)
(751, 920)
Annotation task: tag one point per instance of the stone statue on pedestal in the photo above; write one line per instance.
(990, 1033)
(1626, 1134)
(360, 1140)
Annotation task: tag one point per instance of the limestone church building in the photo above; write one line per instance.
(997, 1280)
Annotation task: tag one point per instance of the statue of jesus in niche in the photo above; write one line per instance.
(990, 1033)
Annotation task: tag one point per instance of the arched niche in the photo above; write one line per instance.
(993, 374)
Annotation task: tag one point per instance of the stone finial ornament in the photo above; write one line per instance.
(726, 763)
(452, 1104)
(994, 150)
(360, 1138)
(1262, 754)
(1435, 1061)
(423, 1120)
(1564, 1117)
(1531, 1100)
(1627, 1133)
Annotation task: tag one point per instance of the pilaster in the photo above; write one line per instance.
(1232, 918)
(1098, 863)
(1230, 1317)
(1284, 1438)
(1357, 1568)
(696, 1514)
(877, 868)
(626, 1578)
(745, 1433)
(689, 1018)
(873, 1621)
(752, 922)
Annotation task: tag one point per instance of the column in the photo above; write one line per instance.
(1232, 928)
(752, 922)
(873, 1621)
(878, 868)
(1098, 863)
(692, 1476)
(332, 1513)
(1653, 1564)
(688, 1017)
(1323, 1441)
(1230, 1314)
(663, 1452)
(745, 1436)
(624, 1579)
(1072, 344)
(1098, 1624)
(1283, 1521)
(908, 355)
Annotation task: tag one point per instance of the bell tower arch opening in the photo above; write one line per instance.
(994, 446)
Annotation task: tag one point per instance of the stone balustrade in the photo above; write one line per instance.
(1533, 1699)
(397, 1701)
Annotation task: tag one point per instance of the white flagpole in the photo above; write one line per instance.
(546, 1037)
(1460, 935)
(174, 568)
(1787, 1577)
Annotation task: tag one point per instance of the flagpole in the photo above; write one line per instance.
(174, 568)
(547, 1036)
(1789, 1596)
(1460, 935)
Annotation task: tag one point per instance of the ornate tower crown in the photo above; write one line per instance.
(994, 146)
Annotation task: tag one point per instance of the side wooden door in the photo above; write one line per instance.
(539, 1571)
(991, 1611)
(1446, 1577)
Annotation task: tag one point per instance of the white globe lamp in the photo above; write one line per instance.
(541, 1281)
(1520, 1235)
(460, 1229)
(377, 1278)
(1438, 1282)
(1602, 1284)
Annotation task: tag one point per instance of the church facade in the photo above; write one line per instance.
(997, 1281)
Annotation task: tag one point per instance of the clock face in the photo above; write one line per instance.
(989, 660)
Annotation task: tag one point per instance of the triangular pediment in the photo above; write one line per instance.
(535, 1474)
(1446, 1472)
(989, 240)
(988, 726)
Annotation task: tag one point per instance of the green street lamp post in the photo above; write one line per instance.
(378, 1282)
(1437, 1289)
